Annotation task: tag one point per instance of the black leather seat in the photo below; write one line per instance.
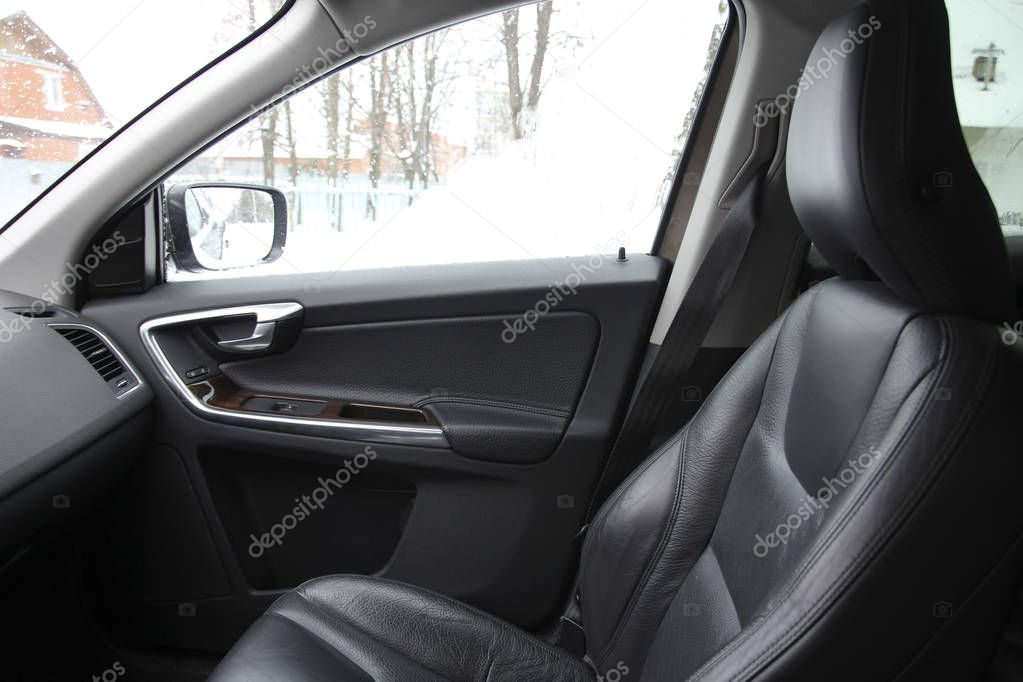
(845, 505)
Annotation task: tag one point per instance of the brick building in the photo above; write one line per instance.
(47, 110)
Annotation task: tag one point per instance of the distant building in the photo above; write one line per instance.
(47, 110)
(244, 154)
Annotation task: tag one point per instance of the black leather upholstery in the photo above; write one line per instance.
(352, 628)
(845, 505)
(878, 170)
(893, 408)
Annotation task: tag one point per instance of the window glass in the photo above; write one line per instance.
(987, 68)
(72, 73)
(547, 130)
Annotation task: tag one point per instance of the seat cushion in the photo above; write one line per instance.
(342, 628)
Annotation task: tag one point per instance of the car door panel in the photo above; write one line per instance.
(495, 401)
(490, 518)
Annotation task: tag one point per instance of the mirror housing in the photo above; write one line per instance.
(205, 217)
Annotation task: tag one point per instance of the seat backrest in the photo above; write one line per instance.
(846, 503)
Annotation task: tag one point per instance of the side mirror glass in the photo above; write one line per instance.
(219, 226)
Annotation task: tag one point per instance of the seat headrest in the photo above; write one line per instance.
(878, 170)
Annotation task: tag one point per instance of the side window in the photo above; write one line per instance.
(53, 90)
(987, 69)
(549, 130)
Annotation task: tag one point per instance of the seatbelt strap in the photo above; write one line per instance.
(661, 390)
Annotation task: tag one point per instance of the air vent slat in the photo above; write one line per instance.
(99, 359)
(93, 349)
(109, 368)
(90, 350)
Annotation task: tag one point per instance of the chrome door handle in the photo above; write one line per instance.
(262, 338)
(267, 317)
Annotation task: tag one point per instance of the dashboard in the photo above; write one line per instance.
(76, 412)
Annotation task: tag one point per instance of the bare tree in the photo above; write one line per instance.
(543, 32)
(379, 85)
(268, 140)
(402, 101)
(519, 99)
(349, 124)
(289, 138)
(431, 104)
(419, 74)
(332, 118)
(338, 109)
(510, 39)
(331, 111)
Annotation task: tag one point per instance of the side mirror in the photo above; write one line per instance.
(219, 226)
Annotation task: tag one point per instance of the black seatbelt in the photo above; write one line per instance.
(661, 390)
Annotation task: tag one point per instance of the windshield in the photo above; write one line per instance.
(73, 73)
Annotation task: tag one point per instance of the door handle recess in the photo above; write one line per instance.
(264, 333)
(261, 339)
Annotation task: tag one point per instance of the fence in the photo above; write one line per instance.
(344, 208)
(314, 204)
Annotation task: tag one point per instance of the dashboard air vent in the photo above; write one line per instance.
(102, 358)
